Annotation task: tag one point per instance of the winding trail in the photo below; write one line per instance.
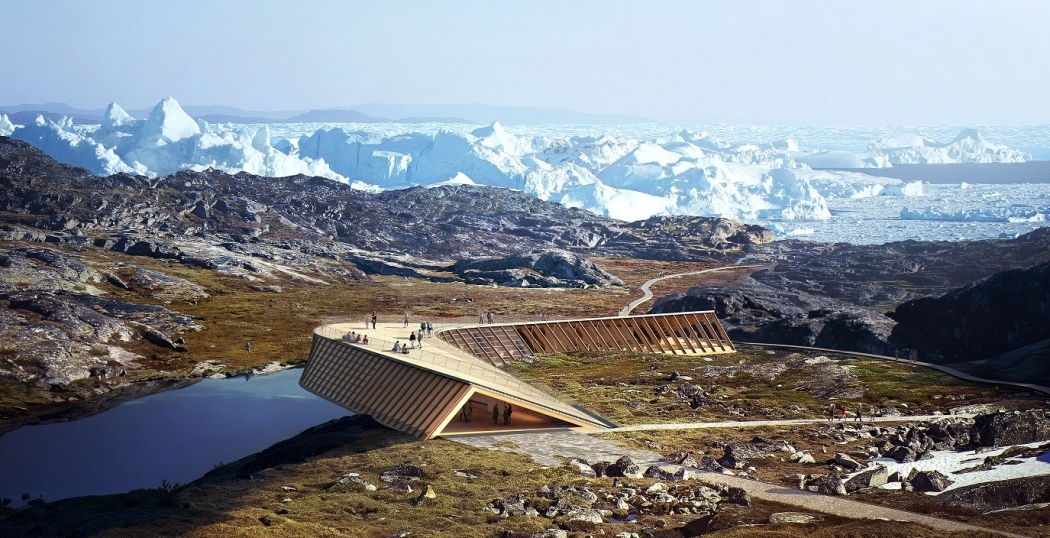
(647, 294)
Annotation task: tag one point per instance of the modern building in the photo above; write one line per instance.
(431, 390)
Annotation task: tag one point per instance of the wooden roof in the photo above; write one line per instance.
(684, 333)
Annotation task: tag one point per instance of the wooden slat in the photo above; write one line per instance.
(685, 334)
(640, 335)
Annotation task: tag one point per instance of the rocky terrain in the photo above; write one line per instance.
(154, 216)
(985, 319)
(70, 312)
(883, 299)
(354, 477)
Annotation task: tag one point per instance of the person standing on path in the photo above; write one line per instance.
(374, 318)
(247, 348)
(506, 415)
(406, 320)
(495, 413)
(412, 340)
(481, 318)
(430, 329)
(860, 414)
(490, 318)
(831, 411)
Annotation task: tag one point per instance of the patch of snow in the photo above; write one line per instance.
(949, 463)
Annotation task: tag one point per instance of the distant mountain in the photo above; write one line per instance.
(334, 116)
(226, 118)
(507, 115)
(26, 117)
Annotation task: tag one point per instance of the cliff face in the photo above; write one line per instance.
(982, 320)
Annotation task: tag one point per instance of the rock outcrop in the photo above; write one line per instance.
(542, 269)
(756, 312)
(982, 320)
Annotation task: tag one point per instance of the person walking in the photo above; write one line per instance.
(406, 320)
(419, 338)
(374, 318)
(495, 413)
(412, 340)
(481, 318)
(430, 329)
(831, 411)
(489, 318)
(422, 329)
(860, 414)
(247, 348)
(506, 415)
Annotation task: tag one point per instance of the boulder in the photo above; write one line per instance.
(737, 454)
(584, 469)
(902, 454)
(868, 479)
(624, 467)
(739, 496)
(699, 526)
(832, 484)
(847, 462)
(777, 518)
(932, 481)
(584, 515)
(355, 478)
(1004, 429)
(998, 495)
(670, 473)
(403, 471)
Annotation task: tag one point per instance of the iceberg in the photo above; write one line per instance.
(6, 127)
(167, 141)
(1016, 215)
(624, 174)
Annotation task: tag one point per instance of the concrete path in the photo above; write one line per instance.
(549, 448)
(649, 294)
(760, 423)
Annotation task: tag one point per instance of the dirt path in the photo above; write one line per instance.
(760, 423)
(550, 448)
(647, 294)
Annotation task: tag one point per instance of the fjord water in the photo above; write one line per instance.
(176, 436)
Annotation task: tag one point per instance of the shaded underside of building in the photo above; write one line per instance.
(424, 402)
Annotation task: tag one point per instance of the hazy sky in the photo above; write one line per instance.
(835, 62)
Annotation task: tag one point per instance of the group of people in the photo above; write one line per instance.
(839, 411)
(499, 410)
(373, 318)
(484, 317)
(355, 338)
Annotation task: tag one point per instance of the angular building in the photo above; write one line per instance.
(454, 388)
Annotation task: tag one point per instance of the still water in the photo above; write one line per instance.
(176, 436)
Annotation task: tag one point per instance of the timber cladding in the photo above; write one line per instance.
(685, 333)
(397, 395)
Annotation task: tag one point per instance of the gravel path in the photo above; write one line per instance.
(549, 448)
(647, 294)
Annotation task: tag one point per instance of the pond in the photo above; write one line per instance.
(176, 436)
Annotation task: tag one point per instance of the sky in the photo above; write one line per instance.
(770, 62)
